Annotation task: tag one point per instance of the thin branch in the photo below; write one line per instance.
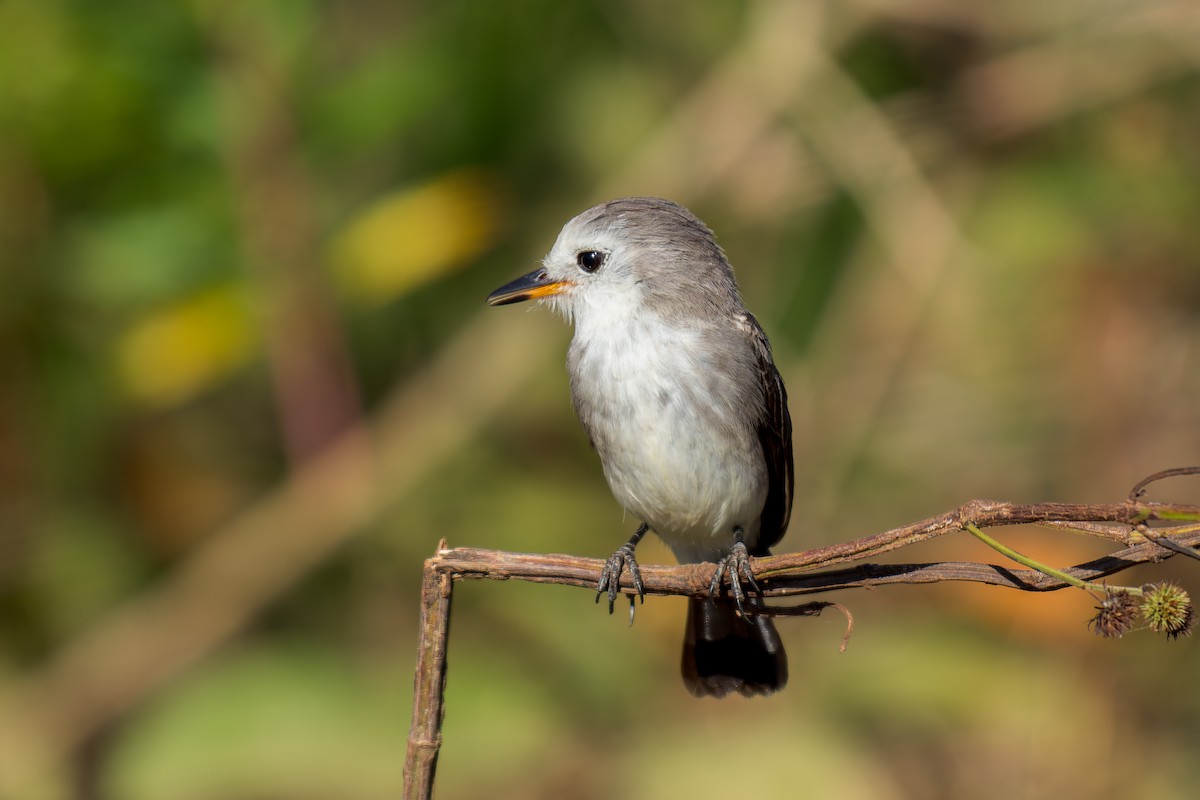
(795, 573)
(1021, 558)
(1139, 488)
(1115, 532)
(1172, 542)
(425, 735)
(792, 574)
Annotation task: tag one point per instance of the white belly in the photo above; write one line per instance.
(677, 450)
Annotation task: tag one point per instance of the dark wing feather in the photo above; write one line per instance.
(775, 434)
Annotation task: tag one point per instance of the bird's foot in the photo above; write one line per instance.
(737, 566)
(621, 560)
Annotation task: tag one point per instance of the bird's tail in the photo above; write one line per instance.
(724, 652)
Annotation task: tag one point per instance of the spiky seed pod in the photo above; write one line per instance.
(1115, 615)
(1168, 609)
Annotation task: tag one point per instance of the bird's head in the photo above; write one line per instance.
(637, 251)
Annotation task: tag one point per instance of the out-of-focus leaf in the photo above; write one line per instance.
(144, 257)
(416, 235)
(42, 54)
(183, 349)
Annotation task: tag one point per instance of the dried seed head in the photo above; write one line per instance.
(1168, 609)
(1115, 615)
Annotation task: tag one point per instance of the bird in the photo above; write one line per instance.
(674, 382)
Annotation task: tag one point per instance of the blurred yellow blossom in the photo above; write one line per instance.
(180, 350)
(415, 235)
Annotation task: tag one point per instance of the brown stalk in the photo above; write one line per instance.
(788, 574)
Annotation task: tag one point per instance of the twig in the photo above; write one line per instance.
(1139, 488)
(425, 735)
(1105, 530)
(785, 575)
(813, 609)
(1172, 543)
(1021, 558)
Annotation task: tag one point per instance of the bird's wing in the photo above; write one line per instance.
(775, 434)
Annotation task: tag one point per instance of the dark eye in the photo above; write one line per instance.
(590, 260)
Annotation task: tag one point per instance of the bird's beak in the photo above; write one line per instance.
(535, 285)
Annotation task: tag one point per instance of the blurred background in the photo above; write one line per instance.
(247, 382)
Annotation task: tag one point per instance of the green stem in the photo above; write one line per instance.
(1021, 558)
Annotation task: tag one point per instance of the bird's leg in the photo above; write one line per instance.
(610, 576)
(737, 566)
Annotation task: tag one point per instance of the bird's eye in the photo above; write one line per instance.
(590, 260)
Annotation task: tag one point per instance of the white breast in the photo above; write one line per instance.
(677, 451)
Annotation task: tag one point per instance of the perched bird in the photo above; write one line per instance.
(672, 378)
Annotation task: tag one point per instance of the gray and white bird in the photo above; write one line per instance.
(673, 380)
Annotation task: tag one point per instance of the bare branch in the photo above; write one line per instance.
(425, 735)
(797, 574)
(1139, 488)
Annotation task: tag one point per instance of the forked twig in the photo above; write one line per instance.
(805, 572)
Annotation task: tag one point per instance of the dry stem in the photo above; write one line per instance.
(1125, 523)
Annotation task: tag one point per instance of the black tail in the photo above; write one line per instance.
(724, 652)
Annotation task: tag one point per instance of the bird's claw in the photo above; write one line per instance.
(737, 566)
(610, 578)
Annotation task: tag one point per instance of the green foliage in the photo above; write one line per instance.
(229, 231)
